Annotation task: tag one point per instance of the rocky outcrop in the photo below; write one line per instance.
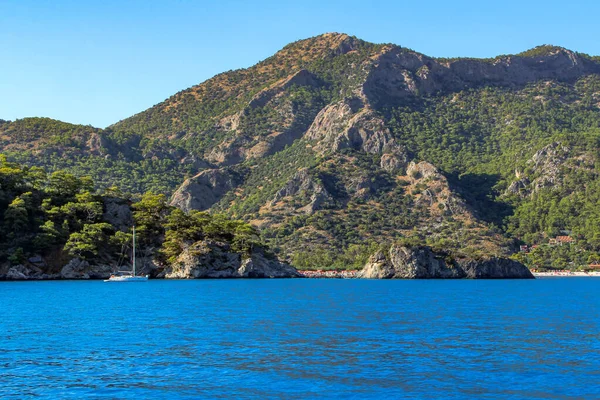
(204, 189)
(437, 194)
(410, 263)
(21, 272)
(97, 144)
(117, 212)
(421, 262)
(519, 187)
(213, 259)
(243, 143)
(303, 181)
(400, 74)
(300, 78)
(344, 125)
(378, 267)
(423, 170)
(394, 162)
(260, 266)
(494, 268)
(81, 269)
(364, 186)
(74, 269)
(228, 152)
(546, 165)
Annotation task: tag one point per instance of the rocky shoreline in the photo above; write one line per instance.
(330, 274)
(421, 262)
(215, 260)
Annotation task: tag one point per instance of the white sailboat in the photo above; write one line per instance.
(128, 276)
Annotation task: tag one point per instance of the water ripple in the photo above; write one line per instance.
(301, 339)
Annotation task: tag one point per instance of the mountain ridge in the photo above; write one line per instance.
(340, 38)
(334, 145)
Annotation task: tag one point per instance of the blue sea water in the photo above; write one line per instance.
(301, 339)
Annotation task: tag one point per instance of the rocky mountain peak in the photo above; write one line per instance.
(331, 43)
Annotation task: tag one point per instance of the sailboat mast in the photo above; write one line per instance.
(134, 250)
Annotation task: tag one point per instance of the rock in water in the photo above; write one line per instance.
(18, 273)
(378, 267)
(495, 268)
(423, 263)
(213, 259)
(75, 269)
(81, 269)
(259, 266)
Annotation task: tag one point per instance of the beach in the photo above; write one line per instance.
(578, 274)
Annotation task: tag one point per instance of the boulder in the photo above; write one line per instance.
(24, 272)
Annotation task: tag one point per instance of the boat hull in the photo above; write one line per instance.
(127, 279)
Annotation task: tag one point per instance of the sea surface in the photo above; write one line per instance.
(301, 338)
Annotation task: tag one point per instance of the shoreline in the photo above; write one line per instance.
(313, 274)
(566, 274)
(333, 274)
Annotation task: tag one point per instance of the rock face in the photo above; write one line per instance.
(399, 74)
(212, 259)
(204, 189)
(74, 269)
(494, 268)
(81, 269)
(117, 212)
(423, 263)
(302, 181)
(344, 126)
(546, 165)
(21, 272)
(437, 194)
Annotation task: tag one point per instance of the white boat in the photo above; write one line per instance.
(128, 276)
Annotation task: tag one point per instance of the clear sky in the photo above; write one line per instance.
(96, 62)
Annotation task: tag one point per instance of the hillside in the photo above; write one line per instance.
(335, 147)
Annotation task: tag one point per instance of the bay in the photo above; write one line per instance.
(301, 338)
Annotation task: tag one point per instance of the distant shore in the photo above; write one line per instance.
(566, 274)
(344, 274)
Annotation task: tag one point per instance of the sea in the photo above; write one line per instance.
(301, 339)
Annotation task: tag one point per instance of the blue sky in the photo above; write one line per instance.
(96, 62)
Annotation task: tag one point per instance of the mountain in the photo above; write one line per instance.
(335, 147)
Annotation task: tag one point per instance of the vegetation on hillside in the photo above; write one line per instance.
(61, 216)
(484, 140)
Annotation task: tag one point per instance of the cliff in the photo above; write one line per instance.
(423, 263)
(213, 259)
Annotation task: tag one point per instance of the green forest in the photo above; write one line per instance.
(61, 216)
